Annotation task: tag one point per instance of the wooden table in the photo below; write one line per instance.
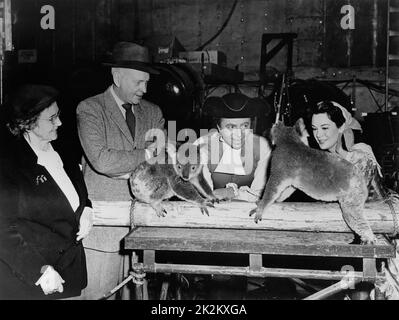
(252, 240)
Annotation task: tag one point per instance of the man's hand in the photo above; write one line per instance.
(85, 223)
(51, 281)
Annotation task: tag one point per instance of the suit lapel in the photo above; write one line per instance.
(111, 107)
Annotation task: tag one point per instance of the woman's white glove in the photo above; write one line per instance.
(85, 223)
(50, 281)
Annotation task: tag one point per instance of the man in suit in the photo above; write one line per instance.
(112, 129)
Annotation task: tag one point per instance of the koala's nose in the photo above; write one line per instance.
(185, 175)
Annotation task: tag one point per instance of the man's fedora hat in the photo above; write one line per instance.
(131, 56)
(233, 105)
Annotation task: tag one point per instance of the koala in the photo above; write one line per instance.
(192, 171)
(154, 183)
(319, 174)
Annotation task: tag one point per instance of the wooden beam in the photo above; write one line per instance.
(255, 242)
(369, 269)
(149, 257)
(112, 213)
(306, 216)
(255, 262)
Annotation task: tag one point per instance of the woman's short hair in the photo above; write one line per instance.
(333, 112)
(23, 107)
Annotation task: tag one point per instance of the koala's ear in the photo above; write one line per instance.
(300, 126)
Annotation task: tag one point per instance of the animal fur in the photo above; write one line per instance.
(155, 183)
(319, 174)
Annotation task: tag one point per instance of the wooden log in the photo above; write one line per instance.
(112, 213)
(305, 216)
(294, 216)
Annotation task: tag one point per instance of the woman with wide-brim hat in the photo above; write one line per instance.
(236, 158)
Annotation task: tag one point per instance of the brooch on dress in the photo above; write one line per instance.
(40, 179)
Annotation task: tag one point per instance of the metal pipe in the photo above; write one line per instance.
(118, 287)
(387, 59)
(6, 31)
(324, 30)
(1, 79)
(7, 26)
(74, 19)
(308, 287)
(93, 30)
(353, 94)
(375, 32)
(331, 290)
(245, 271)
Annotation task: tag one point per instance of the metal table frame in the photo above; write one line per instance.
(255, 243)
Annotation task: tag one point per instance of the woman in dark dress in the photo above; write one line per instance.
(44, 209)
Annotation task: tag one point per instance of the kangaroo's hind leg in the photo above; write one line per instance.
(273, 190)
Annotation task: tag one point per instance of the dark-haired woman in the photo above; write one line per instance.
(236, 158)
(44, 209)
(330, 124)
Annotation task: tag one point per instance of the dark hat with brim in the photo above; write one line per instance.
(29, 100)
(233, 105)
(131, 56)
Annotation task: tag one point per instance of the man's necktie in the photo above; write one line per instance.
(130, 118)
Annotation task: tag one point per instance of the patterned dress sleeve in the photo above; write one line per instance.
(361, 156)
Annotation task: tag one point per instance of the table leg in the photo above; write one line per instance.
(369, 269)
(145, 289)
(139, 287)
(125, 292)
(164, 289)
